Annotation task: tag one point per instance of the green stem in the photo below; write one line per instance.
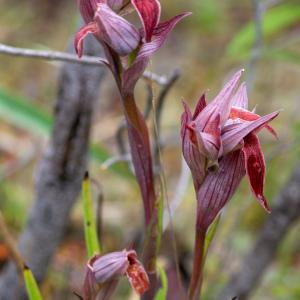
(195, 284)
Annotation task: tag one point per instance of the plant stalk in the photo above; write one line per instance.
(195, 284)
(141, 154)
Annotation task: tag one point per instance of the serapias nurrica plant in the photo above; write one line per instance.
(128, 50)
(104, 271)
(220, 145)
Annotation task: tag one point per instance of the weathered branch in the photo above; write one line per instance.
(60, 172)
(69, 57)
(285, 210)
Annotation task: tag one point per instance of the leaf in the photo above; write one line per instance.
(90, 230)
(211, 233)
(25, 115)
(163, 291)
(31, 285)
(274, 21)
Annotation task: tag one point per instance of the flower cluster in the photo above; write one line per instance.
(220, 145)
(105, 20)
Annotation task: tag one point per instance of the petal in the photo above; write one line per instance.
(90, 287)
(138, 278)
(240, 98)
(161, 32)
(255, 167)
(234, 133)
(186, 118)
(149, 13)
(88, 8)
(200, 106)
(118, 33)
(209, 141)
(195, 160)
(246, 115)
(81, 34)
(109, 266)
(218, 187)
(160, 35)
(221, 104)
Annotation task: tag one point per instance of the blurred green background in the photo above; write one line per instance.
(220, 37)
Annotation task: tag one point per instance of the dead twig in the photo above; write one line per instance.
(10, 243)
(158, 113)
(68, 57)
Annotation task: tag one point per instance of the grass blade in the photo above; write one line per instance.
(31, 285)
(163, 291)
(25, 115)
(90, 229)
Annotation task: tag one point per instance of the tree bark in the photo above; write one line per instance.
(60, 172)
(285, 210)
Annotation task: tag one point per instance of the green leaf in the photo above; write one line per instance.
(163, 291)
(211, 233)
(26, 115)
(274, 21)
(31, 285)
(90, 229)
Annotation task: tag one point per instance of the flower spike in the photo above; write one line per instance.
(224, 132)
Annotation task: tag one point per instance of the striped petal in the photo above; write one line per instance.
(149, 13)
(233, 134)
(117, 32)
(255, 167)
(81, 35)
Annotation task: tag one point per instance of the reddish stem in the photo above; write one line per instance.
(195, 284)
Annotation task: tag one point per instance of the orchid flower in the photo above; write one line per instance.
(220, 145)
(223, 134)
(103, 19)
(103, 272)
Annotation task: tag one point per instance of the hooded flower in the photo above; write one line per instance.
(220, 145)
(104, 271)
(103, 19)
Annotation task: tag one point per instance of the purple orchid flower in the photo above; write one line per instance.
(223, 134)
(103, 272)
(102, 19)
